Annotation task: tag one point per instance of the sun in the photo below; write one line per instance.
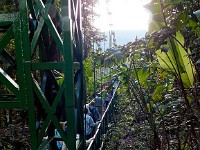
(122, 15)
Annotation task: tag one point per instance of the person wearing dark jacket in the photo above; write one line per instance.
(93, 111)
(99, 104)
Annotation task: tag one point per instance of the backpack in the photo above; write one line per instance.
(94, 114)
(87, 125)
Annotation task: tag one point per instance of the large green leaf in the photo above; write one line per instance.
(189, 68)
(166, 60)
(181, 20)
(186, 80)
(157, 21)
(177, 60)
(157, 94)
(175, 54)
(155, 26)
(154, 6)
(143, 74)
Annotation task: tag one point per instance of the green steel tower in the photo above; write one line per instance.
(47, 62)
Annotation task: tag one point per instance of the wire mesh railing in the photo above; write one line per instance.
(96, 141)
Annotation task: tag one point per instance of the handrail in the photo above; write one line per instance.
(102, 119)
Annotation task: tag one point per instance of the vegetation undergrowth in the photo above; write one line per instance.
(160, 83)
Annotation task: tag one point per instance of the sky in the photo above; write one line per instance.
(122, 15)
(128, 18)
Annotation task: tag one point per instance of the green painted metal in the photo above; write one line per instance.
(6, 39)
(53, 65)
(16, 99)
(7, 80)
(68, 53)
(38, 37)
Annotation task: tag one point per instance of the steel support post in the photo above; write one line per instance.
(49, 70)
(11, 26)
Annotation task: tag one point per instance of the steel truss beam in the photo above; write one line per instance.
(49, 69)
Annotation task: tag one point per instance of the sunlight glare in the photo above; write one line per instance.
(125, 15)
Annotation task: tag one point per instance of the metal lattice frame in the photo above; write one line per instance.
(46, 43)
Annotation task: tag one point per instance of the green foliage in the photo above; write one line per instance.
(8, 6)
(160, 81)
(91, 34)
(157, 94)
(14, 134)
(60, 79)
(176, 60)
(89, 75)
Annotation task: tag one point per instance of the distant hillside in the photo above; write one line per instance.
(123, 37)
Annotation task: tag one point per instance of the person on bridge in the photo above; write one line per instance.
(99, 104)
(93, 111)
(88, 124)
(106, 100)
